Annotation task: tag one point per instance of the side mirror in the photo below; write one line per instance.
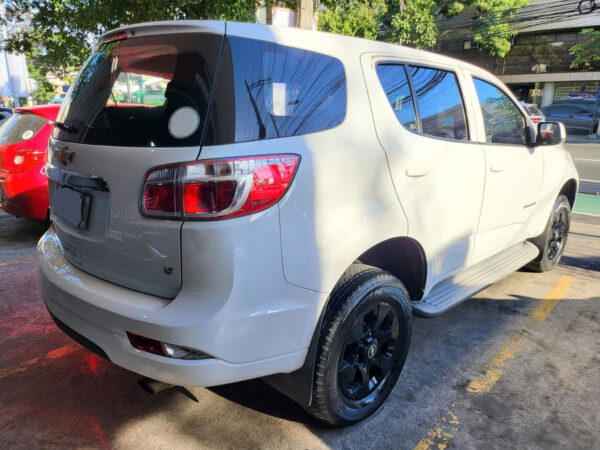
(551, 133)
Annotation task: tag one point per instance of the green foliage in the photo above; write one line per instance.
(62, 31)
(45, 91)
(492, 30)
(353, 18)
(413, 22)
(587, 53)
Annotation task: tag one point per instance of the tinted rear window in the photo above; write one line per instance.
(268, 90)
(439, 102)
(144, 92)
(394, 81)
(20, 127)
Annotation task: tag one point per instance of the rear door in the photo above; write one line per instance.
(139, 102)
(438, 171)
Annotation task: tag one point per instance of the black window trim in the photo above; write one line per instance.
(418, 131)
(475, 77)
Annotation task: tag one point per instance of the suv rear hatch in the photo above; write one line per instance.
(139, 102)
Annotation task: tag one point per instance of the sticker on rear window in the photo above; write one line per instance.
(184, 122)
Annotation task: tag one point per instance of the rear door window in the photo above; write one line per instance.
(20, 127)
(268, 90)
(439, 103)
(504, 122)
(395, 83)
(148, 91)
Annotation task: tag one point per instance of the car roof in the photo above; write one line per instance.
(47, 111)
(332, 44)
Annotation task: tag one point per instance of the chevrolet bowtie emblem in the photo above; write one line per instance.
(64, 155)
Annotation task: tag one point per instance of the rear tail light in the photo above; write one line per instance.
(15, 161)
(217, 189)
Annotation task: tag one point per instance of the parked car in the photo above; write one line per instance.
(535, 115)
(287, 205)
(580, 115)
(5, 113)
(23, 148)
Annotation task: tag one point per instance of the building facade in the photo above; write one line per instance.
(537, 68)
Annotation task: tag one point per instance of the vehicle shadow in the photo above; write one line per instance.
(21, 231)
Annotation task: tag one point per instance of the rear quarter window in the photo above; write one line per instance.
(268, 91)
(20, 127)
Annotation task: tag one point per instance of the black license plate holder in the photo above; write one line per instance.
(72, 206)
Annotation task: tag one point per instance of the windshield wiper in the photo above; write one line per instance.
(64, 127)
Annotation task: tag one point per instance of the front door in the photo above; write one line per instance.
(513, 171)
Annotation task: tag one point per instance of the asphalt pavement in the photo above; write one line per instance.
(514, 367)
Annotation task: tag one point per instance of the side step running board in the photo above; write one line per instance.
(462, 286)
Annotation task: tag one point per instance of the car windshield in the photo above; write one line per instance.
(533, 110)
(20, 127)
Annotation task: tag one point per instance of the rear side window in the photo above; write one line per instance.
(145, 92)
(394, 81)
(268, 90)
(20, 127)
(504, 122)
(439, 103)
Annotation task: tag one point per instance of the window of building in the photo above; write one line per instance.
(439, 103)
(394, 81)
(504, 122)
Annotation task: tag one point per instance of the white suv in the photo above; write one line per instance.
(232, 201)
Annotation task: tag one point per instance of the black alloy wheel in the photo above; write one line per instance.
(368, 354)
(363, 344)
(551, 243)
(559, 233)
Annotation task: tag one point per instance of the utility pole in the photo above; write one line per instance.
(304, 14)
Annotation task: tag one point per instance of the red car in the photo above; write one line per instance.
(23, 143)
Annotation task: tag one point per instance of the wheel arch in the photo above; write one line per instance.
(569, 190)
(404, 258)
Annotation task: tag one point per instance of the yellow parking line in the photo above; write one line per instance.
(16, 261)
(546, 306)
(438, 436)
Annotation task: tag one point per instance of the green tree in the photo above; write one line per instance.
(587, 53)
(352, 18)
(45, 91)
(63, 31)
(413, 22)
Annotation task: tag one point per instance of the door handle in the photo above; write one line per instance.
(417, 171)
(497, 167)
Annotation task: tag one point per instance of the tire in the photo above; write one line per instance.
(553, 240)
(363, 345)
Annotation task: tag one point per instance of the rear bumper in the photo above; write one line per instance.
(246, 343)
(25, 194)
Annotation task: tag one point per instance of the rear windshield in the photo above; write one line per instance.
(20, 127)
(533, 110)
(268, 90)
(143, 92)
(154, 92)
